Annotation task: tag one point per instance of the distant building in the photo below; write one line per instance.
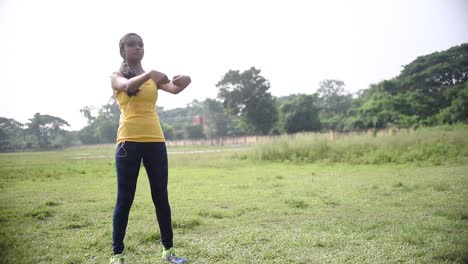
(198, 120)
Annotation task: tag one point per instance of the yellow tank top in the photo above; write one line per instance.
(139, 121)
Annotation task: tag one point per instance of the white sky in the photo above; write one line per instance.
(57, 55)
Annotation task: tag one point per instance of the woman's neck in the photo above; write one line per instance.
(136, 67)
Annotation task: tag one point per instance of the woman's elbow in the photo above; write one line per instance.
(174, 90)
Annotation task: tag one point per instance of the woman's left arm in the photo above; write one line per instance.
(177, 85)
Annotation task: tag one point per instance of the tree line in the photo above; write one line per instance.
(431, 90)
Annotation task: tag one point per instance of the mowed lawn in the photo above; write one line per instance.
(56, 207)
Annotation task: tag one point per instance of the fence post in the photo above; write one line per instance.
(333, 134)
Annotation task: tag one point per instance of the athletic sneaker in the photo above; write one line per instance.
(168, 255)
(117, 259)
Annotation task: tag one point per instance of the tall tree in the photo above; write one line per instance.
(86, 112)
(11, 134)
(216, 120)
(179, 118)
(169, 132)
(194, 131)
(108, 121)
(46, 127)
(246, 96)
(457, 111)
(334, 102)
(437, 77)
(300, 114)
(103, 127)
(430, 90)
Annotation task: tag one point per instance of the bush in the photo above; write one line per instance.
(436, 145)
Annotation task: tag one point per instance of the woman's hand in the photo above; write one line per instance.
(181, 81)
(159, 77)
(178, 83)
(130, 86)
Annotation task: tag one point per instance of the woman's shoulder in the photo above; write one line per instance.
(116, 75)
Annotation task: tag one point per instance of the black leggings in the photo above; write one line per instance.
(128, 159)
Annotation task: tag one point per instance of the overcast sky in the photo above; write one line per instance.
(56, 55)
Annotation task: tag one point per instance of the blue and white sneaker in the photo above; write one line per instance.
(169, 255)
(117, 259)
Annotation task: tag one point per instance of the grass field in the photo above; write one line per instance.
(56, 207)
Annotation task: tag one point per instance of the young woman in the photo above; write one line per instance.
(140, 138)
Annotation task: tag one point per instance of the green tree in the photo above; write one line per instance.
(86, 112)
(169, 132)
(300, 114)
(87, 135)
(194, 131)
(430, 90)
(379, 109)
(45, 127)
(436, 78)
(179, 118)
(334, 99)
(216, 120)
(245, 95)
(103, 127)
(108, 121)
(334, 102)
(12, 136)
(457, 111)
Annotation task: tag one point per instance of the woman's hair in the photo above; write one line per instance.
(125, 69)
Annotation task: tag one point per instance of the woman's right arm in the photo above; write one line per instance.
(120, 83)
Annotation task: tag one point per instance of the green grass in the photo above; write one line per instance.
(56, 207)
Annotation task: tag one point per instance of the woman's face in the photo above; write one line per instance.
(133, 48)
